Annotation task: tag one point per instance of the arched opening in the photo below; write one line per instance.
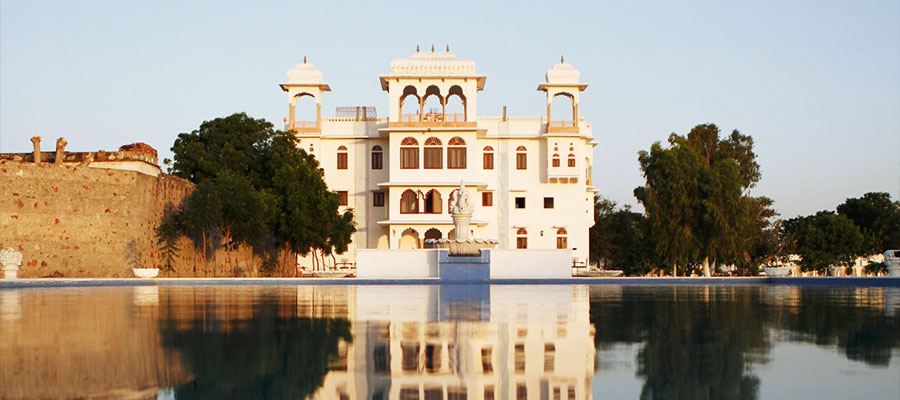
(410, 105)
(571, 160)
(521, 157)
(456, 153)
(409, 202)
(556, 160)
(433, 105)
(409, 239)
(342, 157)
(304, 111)
(587, 170)
(432, 233)
(562, 240)
(452, 234)
(377, 157)
(433, 202)
(455, 109)
(433, 151)
(562, 111)
(409, 153)
(488, 157)
(521, 238)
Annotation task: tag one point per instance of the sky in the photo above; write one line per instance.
(815, 83)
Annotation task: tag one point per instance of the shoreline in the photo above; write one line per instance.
(626, 281)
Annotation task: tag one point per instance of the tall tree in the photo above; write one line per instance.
(823, 240)
(620, 239)
(877, 217)
(694, 194)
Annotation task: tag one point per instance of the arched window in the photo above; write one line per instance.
(521, 158)
(304, 111)
(433, 202)
(432, 233)
(488, 157)
(571, 160)
(342, 157)
(562, 241)
(377, 157)
(562, 111)
(409, 202)
(410, 105)
(456, 153)
(521, 238)
(409, 153)
(455, 105)
(556, 160)
(433, 153)
(433, 105)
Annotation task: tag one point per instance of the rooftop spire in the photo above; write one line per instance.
(561, 59)
(432, 47)
(448, 47)
(304, 59)
(417, 48)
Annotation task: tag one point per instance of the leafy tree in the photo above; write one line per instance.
(877, 217)
(620, 239)
(256, 187)
(694, 195)
(824, 239)
(759, 238)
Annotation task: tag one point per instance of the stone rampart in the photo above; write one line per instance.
(75, 220)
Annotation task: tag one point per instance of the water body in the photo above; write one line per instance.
(451, 342)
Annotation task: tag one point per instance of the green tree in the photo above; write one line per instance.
(824, 239)
(256, 186)
(694, 195)
(620, 239)
(877, 217)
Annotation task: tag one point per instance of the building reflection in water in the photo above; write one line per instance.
(465, 342)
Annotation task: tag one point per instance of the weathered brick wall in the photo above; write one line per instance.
(92, 222)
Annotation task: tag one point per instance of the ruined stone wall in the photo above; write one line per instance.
(76, 221)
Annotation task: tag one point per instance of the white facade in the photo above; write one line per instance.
(433, 138)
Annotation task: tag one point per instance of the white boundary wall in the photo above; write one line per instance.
(531, 264)
(396, 264)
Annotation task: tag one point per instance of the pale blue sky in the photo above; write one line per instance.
(816, 83)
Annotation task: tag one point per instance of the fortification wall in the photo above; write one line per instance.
(89, 221)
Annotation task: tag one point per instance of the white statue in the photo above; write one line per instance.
(460, 202)
(10, 259)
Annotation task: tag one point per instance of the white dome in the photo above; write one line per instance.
(305, 74)
(432, 64)
(562, 73)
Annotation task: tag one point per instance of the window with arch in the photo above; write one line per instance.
(377, 157)
(488, 157)
(409, 202)
(433, 105)
(410, 105)
(571, 160)
(409, 153)
(556, 160)
(521, 238)
(433, 151)
(342, 157)
(433, 202)
(562, 241)
(521, 158)
(455, 105)
(456, 153)
(562, 110)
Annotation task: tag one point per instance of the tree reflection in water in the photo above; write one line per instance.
(268, 351)
(698, 342)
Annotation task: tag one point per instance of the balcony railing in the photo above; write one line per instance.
(305, 125)
(562, 124)
(432, 117)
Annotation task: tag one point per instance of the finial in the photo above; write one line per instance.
(561, 59)
(448, 47)
(417, 48)
(432, 47)
(304, 59)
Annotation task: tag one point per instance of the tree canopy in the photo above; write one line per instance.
(824, 239)
(694, 196)
(620, 239)
(877, 217)
(256, 186)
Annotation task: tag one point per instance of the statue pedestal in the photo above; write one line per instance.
(475, 268)
(461, 225)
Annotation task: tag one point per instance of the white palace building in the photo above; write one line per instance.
(530, 176)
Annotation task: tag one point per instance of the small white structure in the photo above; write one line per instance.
(145, 273)
(11, 261)
(529, 176)
(892, 260)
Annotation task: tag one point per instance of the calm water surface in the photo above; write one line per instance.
(451, 342)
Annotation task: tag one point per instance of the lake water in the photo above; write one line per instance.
(451, 342)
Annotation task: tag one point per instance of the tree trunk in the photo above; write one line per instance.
(706, 267)
(674, 269)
